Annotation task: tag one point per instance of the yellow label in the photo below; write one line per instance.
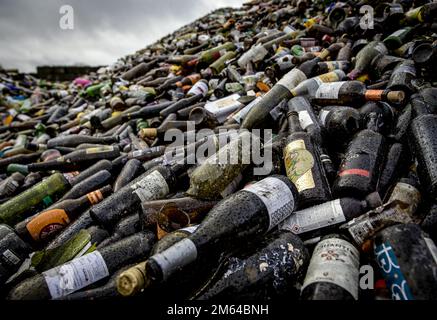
(298, 164)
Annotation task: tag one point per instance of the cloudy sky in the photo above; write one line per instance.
(104, 30)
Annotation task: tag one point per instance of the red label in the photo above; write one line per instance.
(357, 172)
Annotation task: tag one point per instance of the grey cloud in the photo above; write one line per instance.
(103, 30)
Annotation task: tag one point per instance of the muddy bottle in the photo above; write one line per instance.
(74, 140)
(45, 225)
(406, 257)
(135, 279)
(310, 86)
(333, 272)
(84, 271)
(424, 146)
(353, 93)
(313, 221)
(382, 114)
(361, 166)
(303, 165)
(339, 122)
(281, 90)
(307, 118)
(402, 76)
(365, 56)
(131, 170)
(126, 227)
(11, 185)
(13, 251)
(267, 269)
(14, 209)
(429, 223)
(395, 165)
(401, 207)
(267, 203)
(220, 174)
(148, 186)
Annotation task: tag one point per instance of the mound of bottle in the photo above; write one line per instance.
(280, 150)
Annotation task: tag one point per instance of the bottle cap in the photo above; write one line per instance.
(396, 96)
(132, 280)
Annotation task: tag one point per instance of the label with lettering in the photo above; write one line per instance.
(292, 79)
(314, 218)
(305, 119)
(46, 223)
(11, 257)
(335, 261)
(322, 116)
(329, 90)
(276, 196)
(390, 269)
(151, 187)
(76, 274)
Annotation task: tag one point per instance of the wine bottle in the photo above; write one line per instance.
(333, 272)
(131, 170)
(361, 166)
(277, 261)
(407, 260)
(74, 140)
(85, 270)
(245, 214)
(353, 93)
(365, 56)
(148, 186)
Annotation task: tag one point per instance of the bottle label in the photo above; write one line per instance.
(330, 76)
(360, 231)
(276, 196)
(177, 256)
(314, 218)
(151, 187)
(292, 79)
(322, 115)
(305, 119)
(70, 176)
(335, 261)
(99, 149)
(11, 257)
(47, 223)
(298, 165)
(95, 197)
(240, 115)
(431, 247)
(381, 48)
(329, 90)
(76, 274)
(355, 172)
(394, 278)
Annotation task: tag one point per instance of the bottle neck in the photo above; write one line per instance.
(293, 122)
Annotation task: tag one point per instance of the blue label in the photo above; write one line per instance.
(392, 273)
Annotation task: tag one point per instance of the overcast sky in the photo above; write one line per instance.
(104, 30)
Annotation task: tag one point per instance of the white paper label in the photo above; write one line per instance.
(314, 218)
(151, 187)
(335, 261)
(305, 119)
(360, 231)
(276, 196)
(178, 255)
(432, 248)
(329, 90)
(199, 88)
(76, 274)
(322, 116)
(292, 79)
(11, 257)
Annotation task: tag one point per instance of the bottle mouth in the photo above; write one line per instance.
(130, 282)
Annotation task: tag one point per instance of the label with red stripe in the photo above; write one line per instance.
(356, 172)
